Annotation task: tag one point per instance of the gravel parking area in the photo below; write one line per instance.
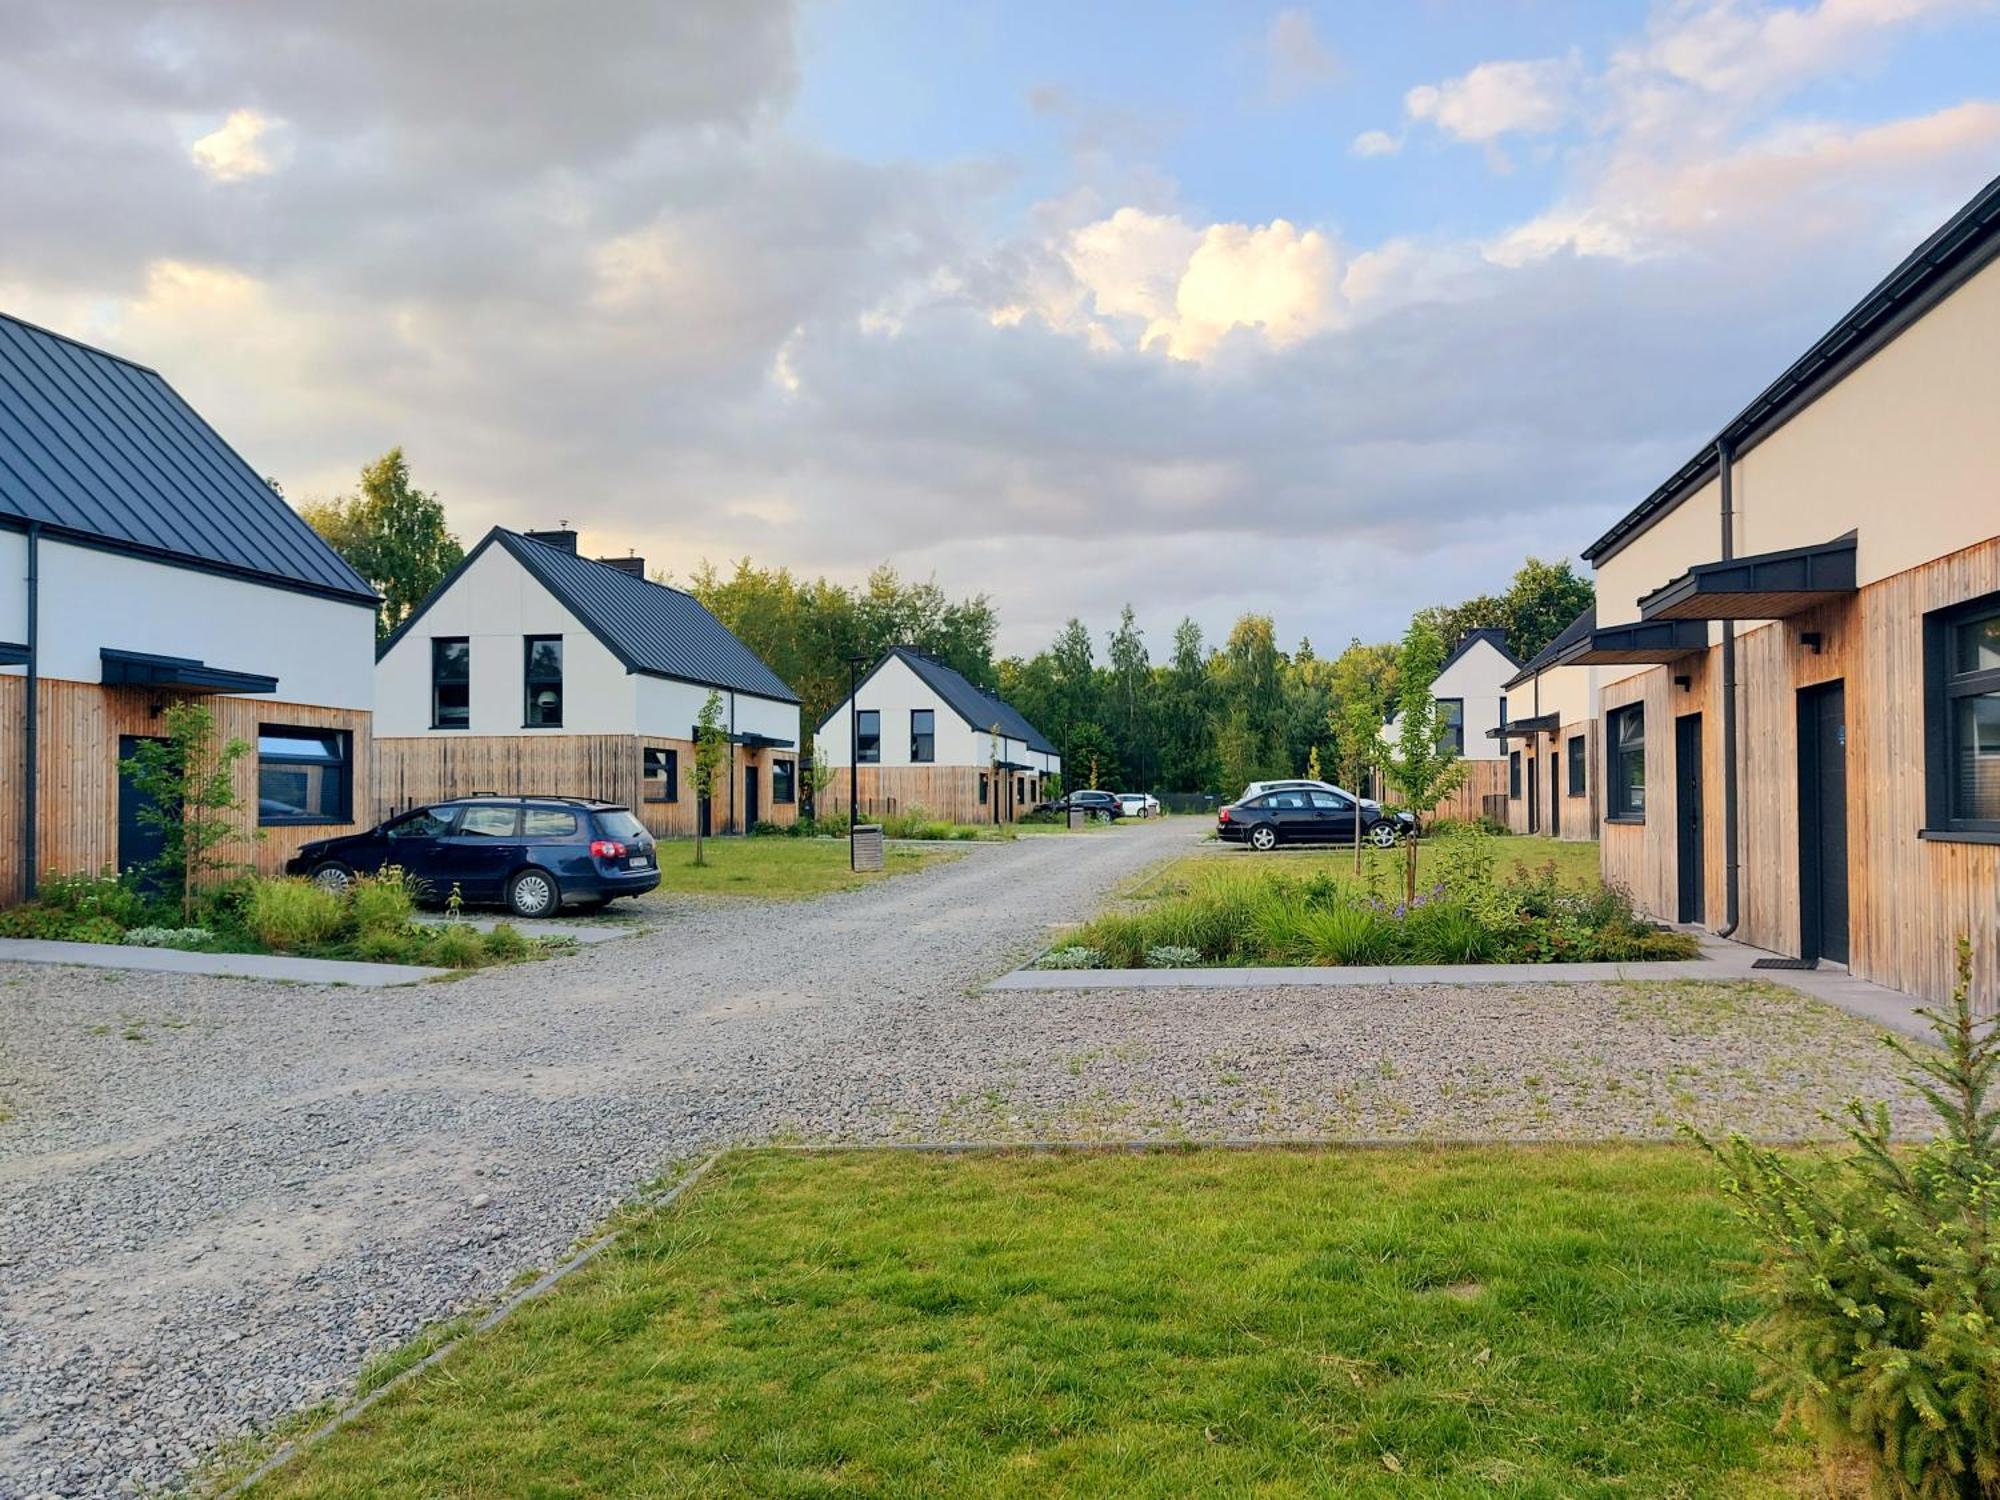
(218, 1198)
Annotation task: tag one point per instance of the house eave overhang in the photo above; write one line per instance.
(1644, 643)
(1523, 729)
(13, 654)
(1013, 765)
(181, 674)
(748, 739)
(1768, 586)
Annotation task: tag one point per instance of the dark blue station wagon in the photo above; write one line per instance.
(529, 854)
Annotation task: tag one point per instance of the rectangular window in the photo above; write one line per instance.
(868, 736)
(1503, 710)
(661, 771)
(1625, 790)
(923, 736)
(784, 781)
(451, 682)
(1451, 711)
(985, 790)
(543, 680)
(1578, 755)
(1514, 775)
(1962, 719)
(304, 775)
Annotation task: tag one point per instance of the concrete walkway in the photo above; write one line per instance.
(227, 965)
(1721, 961)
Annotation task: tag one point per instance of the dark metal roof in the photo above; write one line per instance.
(104, 451)
(1767, 586)
(1966, 243)
(1569, 635)
(183, 673)
(979, 709)
(651, 628)
(1496, 638)
(1643, 642)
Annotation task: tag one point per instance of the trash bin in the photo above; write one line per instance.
(1078, 817)
(868, 846)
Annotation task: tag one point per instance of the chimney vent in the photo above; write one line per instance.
(563, 540)
(636, 566)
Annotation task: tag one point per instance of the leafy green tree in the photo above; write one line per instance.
(1131, 699)
(819, 777)
(1185, 718)
(186, 781)
(1251, 734)
(1543, 598)
(1425, 768)
(711, 750)
(391, 533)
(1363, 677)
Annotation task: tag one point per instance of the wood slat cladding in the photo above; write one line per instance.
(77, 804)
(1577, 821)
(413, 770)
(947, 792)
(1483, 779)
(1909, 898)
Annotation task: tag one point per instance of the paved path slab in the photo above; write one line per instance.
(228, 965)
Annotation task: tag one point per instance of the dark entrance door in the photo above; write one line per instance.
(1534, 788)
(139, 843)
(1688, 814)
(1555, 797)
(1823, 822)
(751, 811)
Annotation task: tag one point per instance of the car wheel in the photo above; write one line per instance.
(1264, 838)
(533, 893)
(333, 876)
(1383, 835)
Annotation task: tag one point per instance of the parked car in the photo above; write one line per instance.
(1097, 804)
(1139, 804)
(529, 854)
(1309, 814)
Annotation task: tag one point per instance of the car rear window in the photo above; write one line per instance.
(548, 823)
(620, 824)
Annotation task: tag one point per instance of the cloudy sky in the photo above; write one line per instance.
(1328, 310)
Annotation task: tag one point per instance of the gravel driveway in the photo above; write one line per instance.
(218, 1198)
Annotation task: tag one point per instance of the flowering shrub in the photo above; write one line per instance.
(167, 937)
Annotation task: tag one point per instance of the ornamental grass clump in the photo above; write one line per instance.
(288, 914)
(1880, 1273)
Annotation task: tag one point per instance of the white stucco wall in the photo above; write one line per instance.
(893, 692)
(668, 709)
(1476, 678)
(322, 651)
(494, 604)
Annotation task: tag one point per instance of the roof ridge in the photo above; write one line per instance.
(598, 562)
(71, 339)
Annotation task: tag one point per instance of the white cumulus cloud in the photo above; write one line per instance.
(1498, 98)
(237, 149)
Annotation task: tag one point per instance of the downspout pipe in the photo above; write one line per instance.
(31, 728)
(1731, 865)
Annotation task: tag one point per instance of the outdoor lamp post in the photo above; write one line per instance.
(853, 759)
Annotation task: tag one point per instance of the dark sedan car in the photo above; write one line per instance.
(1308, 816)
(529, 854)
(1097, 804)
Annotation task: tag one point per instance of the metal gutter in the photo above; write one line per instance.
(1732, 867)
(31, 728)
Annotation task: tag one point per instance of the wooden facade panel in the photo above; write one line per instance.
(417, 769)
(1483, 779)
(1909, 898)
(947, 792)
(77, 802)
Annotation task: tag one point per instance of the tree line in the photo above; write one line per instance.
(1203, 717)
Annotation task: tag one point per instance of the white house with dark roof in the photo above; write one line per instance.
(1471, 690)
(142, 561)
(928, 738)
(534, 669)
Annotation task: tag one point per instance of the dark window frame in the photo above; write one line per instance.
(985, 788)
(1578, 751)
(437, 641)
(867, 742)
(1945, 686)
(1454, 728)
(923, 742)
(670, 775)
(1513, 776)
(784, 782)
(1620, 806)
(342, 762)
(530, 680)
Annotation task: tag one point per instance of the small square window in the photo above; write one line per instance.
(304, 775)
(784, 781)
(661, 772)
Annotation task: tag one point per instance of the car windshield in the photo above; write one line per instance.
(620, 824)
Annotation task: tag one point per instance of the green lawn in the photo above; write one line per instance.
(1441, 1322)
(1576, 864)
(777, 868)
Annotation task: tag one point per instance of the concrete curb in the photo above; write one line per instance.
(500, 1314)
(224, 965)
(1350, 976)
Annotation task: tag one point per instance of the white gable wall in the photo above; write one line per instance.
(495, 603)
(1476, 677)
(894, 691)
(321, 650)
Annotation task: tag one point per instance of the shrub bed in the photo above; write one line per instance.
(373, 921)
(1467, 916)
